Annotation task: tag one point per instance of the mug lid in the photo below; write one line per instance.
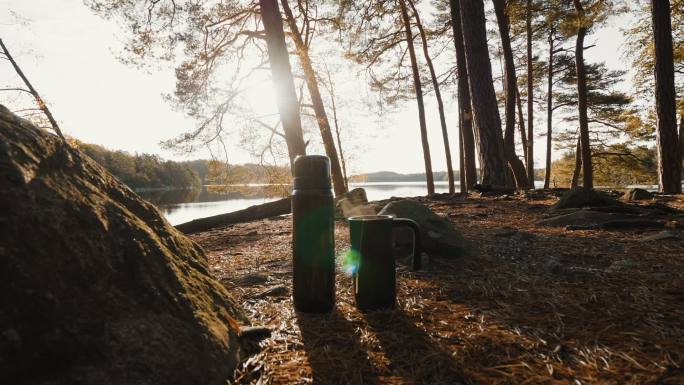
(366, 218)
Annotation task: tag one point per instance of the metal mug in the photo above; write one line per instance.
(372, 260)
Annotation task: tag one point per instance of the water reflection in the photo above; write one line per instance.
(383, 190)
(184, 205)
(215, 193)
(163, 197)
(187, 204)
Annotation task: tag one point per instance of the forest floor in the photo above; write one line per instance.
(537, 305)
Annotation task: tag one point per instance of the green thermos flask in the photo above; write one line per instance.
(313, 235)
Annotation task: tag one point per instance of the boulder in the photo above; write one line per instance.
(353, 203)
(580, 197)
(637, 194)
(438, 235)
(357, 195)
(96, 286)
(585, 218)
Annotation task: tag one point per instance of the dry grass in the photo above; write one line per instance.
(540, 306)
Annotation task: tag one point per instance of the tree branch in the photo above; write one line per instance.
(622, 154)
(32, 91)
(27, 109)
(16, 89)
(272, 129)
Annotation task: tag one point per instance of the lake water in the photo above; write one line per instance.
(181, 206)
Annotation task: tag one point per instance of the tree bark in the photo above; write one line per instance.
(461, 164)
(316, 100)
(530, 96)
(483, 97)
(578, 164)
(251, 213)
(41, 104)
(510, 89)
(438, 96)
(465, 122)
(588, 174)
(681, 137)
(419, 99)
(283, 82)
(521, 124)
(549, 111)
(669, 159)
(337, 129)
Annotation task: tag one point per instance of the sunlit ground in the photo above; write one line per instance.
(547, 306)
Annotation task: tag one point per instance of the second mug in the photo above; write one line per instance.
(373, 266)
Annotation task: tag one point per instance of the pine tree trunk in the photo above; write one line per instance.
(419, 99)
(574, 182)
(461, 164)
(669, 159)
(530, 97)
(588, 174)
(549, 112)
(286, 96)
(510, 87)
(681, 137)
(483, 97)
(317, 101)
(521, 124)
(337, 129)
(465, 122)
(438, 96)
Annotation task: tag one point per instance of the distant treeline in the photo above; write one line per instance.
(140, 171)
(146, 171)
(219, 173)
(615, 166)
(389, 176)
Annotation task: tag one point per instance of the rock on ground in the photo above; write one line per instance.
(95, 286)
(580, 197)
(353, 203)
(585, 218)
(438, 235)
(637, 194)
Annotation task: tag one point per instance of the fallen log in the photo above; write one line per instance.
(251, 213)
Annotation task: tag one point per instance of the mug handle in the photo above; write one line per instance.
(405, 222)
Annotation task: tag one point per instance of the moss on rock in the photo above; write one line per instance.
(96, 286)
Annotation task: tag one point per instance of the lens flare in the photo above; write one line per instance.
(350, 261)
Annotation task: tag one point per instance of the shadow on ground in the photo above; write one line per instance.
(333, 349)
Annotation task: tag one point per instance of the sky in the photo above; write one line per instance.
(70, 56)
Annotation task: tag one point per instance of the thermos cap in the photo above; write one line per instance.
(311, 172)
